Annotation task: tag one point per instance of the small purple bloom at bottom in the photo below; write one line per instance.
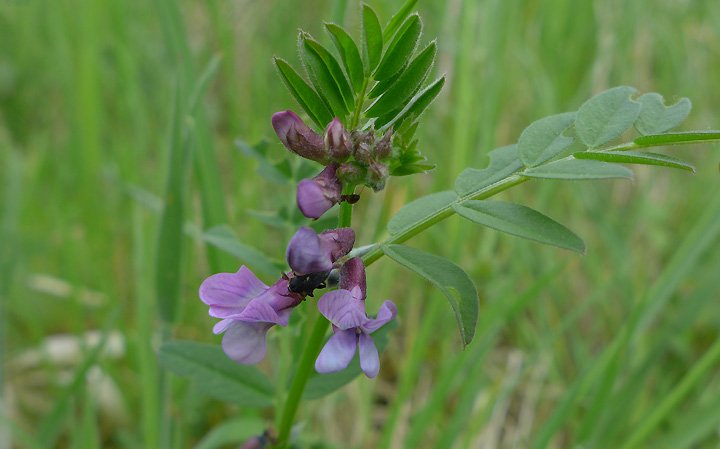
(316, 196)
(345, 309)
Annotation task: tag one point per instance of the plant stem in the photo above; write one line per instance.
(442, 214)
(359, 101)
(312, 348)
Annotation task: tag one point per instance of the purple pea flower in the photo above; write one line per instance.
(316, 196)
(337, 140)
(299, 138)
(249, 308)
(345, 308)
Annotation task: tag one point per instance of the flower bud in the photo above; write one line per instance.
(337, 140)
(363, 153)
(315, 196)
(351, 173)
(383, 146)
(298, 137)
(377, 175)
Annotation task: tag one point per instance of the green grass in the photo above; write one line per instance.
(615, 349)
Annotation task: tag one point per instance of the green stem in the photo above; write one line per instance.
(312, 348)
(359, 101)
(442, 214)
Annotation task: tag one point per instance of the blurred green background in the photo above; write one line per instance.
(86, 94)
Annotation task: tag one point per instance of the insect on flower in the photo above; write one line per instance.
(306, 284)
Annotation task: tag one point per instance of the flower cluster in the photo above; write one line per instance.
(249, 308)
(355, 158)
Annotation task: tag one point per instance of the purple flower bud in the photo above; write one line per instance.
(312, 253)
(337, 140)
(315, 196)
(298, 137)
(352, 274)
(384, 146)
(363, 153)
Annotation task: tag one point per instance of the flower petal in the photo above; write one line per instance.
(229, 293)
(245, 342)
(221, 326)
(388, 311)
(338, 352)
(312, 198)
(305, 253)
(337, 242)
(342, 309)
(369, 359)
(352, 275)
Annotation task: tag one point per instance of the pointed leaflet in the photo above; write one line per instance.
(606, 116)
(348, 53)
(372, 40)
(216, 375)
(543, 139)
(326, 75)
(400, 48)
(656, 118)
(521, 221)
(406, 85)
(420, 210)
(675, 138)
(504, 162)
(308, 99)
(415, 107)
(398, 18)
(382, 86)
(452, 280)
(636, 157)
(578, 169)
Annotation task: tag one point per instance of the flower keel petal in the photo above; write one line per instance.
(338, 352)
(369, 359)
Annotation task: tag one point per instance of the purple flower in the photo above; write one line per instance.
(309, 252)
(345, 308)
(337, 141)
(315, 196)
(299, 138)
(248, 308)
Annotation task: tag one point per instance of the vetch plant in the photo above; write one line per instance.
(365, 100)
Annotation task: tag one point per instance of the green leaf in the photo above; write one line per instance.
(656, 118)
(233, 431)
(400, 49)
(326, 75)
(420, 210)
(504, 162)
(308, 99)
(521, 221)
(372, 39)
(452, 280)
(415, 107)
(397, 19)
(222, 237)
(635, 157)
(675, 138)
(320, 385)
(349, 54)
(606, 116)
(276, 173)
(170, 234)
(216, 375)
(576, 169)
(406, 85)
(543, 139)
(382, 86)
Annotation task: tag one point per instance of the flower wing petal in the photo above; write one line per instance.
(312, 199)
(369, 358)
(221, 326)
(258, 310)
(338, 352)
(388, 311)
(245, 342)
(305, 254)
(228, 293)
(342, 309)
